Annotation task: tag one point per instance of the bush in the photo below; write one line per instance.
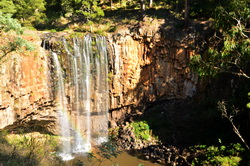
(141, 130)
(15, 42)
(7, 24)
(219, 155)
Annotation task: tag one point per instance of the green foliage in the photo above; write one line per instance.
(53, 8)
(201, 67)
(141, 130)
(7, 7)
(15, 43)
(232, 13)
(28, 149)
(28, 14)
(248, 104)
(7, 24)
(228, 52)
(89, 9)
(219, 155)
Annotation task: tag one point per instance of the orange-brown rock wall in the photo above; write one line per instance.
(142, 69)
(146, 69)
(26, 93)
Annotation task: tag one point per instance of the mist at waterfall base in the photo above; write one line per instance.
(82, 94)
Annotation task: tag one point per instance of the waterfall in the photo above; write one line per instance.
(88, 96)
(62, 112)
(102, 90)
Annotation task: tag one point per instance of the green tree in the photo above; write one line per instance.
(30, 12)
(53, 8)
(91, 10)
(230, 50)
(88, 9)
(7, 7)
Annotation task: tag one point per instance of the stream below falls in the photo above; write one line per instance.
(123, 159)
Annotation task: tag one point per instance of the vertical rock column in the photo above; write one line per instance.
(144, 70)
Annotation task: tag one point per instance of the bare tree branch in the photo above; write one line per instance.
(224, 113)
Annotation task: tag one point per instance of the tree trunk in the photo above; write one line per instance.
(111, 4)
(186, 13)
(151, 3)
(143, 8)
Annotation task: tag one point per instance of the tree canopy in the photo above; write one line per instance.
(230, 51)
(27, 13)
(7, 7)
(87, 9)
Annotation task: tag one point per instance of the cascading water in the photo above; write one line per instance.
(87, 103)
(102, 90)
(62, 112)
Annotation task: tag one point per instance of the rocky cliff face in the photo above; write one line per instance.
(26, 96)
(148, 67)
(143, 67)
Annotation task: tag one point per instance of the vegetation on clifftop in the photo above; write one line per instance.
(60, 15)
(10, 36)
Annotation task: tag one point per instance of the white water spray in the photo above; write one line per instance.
(62, 112)
(87, 76)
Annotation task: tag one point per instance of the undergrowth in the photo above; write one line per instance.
(33, 149)
(141, 130)
(229, 155)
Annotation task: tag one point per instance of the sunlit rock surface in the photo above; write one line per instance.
(144, 67)
(26, 92)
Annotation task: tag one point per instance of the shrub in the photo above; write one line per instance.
(219, 155)
(7, 24)
(141, 130)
